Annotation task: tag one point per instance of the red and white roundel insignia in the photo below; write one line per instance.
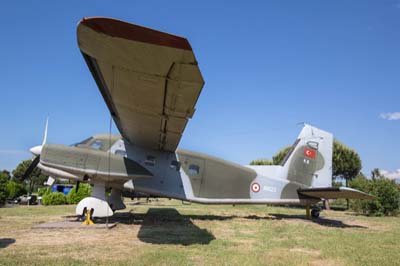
(255, 187)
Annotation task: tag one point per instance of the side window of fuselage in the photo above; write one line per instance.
(175, 165)
(96, 145)
(121, 153)
(150, 160)
(194, 170)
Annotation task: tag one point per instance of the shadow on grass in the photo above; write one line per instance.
(320, 221)
(161, 226)
(171, 219)
(5, 242)
(161, 216)
(168, 226)
(339, 208)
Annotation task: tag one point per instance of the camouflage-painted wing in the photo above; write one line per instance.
(149, 80)
(335, 193)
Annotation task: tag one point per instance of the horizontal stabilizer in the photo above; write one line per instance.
(335, 193)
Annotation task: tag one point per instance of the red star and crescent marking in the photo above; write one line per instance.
(310, 153)
(255, 187)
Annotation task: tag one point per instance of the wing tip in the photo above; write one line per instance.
(125, 30)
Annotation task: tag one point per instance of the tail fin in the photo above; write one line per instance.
(309, 161)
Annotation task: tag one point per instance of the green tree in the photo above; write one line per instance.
(74, 197)
(43, 191)
(387, 194)
(3, 186)
(346, 163)
(6, 173)
(34, 180)
(375, 174)
(280, 155)
(261, 162)
(54, 198)
(276, 159)
(15, 189)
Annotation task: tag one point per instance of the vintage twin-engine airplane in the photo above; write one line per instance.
(151, 81)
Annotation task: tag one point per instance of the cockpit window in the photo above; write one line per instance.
(101, 142)
(175, 165)
(284, 160)
(97, 144)
(150, 160)
(83, 142)
(120, 153)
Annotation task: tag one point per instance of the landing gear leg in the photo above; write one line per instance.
(115, 200)
(308, 215)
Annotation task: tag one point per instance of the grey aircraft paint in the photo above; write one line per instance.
(194, 176)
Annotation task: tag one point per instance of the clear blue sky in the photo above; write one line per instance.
(267, 65)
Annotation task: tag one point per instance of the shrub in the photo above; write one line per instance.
(387, 195)
(261, 162)
(3, 188)
(73, 197)
(54, 198)
(15, 189)
(43, 191)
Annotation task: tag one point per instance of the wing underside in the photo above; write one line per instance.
(149, 80)
(334, 193)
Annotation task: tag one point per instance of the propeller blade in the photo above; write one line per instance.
(77, 186)
(31, 167)
(45, 132)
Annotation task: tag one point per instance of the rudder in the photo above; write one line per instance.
(309, 161)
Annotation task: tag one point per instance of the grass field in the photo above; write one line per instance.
(168, 233)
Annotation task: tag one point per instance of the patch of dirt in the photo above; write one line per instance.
(311, 252)
(247, 242)
(334, 222)
(325, 262)
(369, 225)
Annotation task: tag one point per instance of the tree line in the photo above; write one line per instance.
(13, 185)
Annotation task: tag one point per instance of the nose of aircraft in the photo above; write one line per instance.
(36, 150)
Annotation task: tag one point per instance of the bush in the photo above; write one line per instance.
(261, 162)
(387, 194)
(73, 197)
(54, 198)
(43, 191)
(15, 189)
(3, 188)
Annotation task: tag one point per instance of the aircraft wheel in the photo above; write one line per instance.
(315, 213)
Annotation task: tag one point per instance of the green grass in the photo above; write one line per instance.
(168, 233)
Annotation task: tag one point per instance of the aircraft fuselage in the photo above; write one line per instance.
(182, 174)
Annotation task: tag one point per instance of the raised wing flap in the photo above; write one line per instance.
(150, 80)
(184, 86)
(335, 193)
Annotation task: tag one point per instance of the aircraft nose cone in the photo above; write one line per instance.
(36, 150)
